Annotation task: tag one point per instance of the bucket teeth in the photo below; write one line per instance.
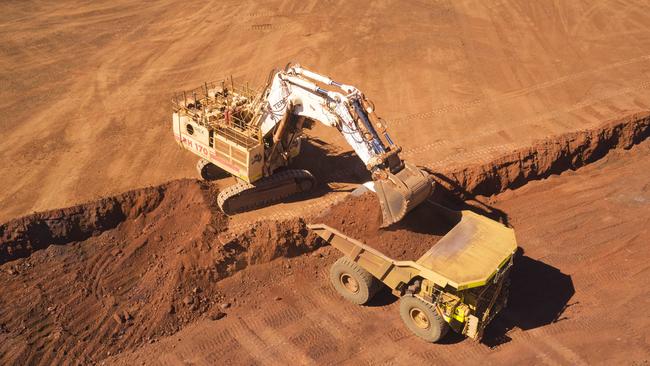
(401, 192)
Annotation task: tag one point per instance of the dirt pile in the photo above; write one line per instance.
(99, 278)
(267, 240)
(115, 273)
(360, 217)
(20, 237)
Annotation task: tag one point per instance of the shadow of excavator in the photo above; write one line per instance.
(328, 165)
(334, 171)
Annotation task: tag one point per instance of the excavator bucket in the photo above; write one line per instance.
(402, 192)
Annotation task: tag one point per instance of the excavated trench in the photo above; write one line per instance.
(123, 270)
(20, 237)
(550, 156)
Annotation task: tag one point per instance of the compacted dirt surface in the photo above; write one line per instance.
(86, 86)
(535, 114)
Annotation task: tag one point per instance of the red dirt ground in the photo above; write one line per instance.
(488, 95)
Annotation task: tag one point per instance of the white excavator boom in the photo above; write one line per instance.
(399, 187)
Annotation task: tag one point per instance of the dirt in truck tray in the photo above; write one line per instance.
(360, 218)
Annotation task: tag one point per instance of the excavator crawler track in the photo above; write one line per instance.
(244, 196)
(207, 170)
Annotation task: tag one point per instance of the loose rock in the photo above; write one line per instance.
(217, 315)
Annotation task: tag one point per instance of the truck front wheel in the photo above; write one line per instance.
(353, 282)
(422, 318)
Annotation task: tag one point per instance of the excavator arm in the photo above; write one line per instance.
(294, 92)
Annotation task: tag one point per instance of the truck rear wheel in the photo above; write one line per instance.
(353, 282)
(422, 318)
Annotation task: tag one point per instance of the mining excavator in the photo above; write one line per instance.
(254, 135)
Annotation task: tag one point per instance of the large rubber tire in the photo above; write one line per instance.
(422, 318)
(353, 282)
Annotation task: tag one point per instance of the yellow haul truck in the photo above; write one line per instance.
(460, 283)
